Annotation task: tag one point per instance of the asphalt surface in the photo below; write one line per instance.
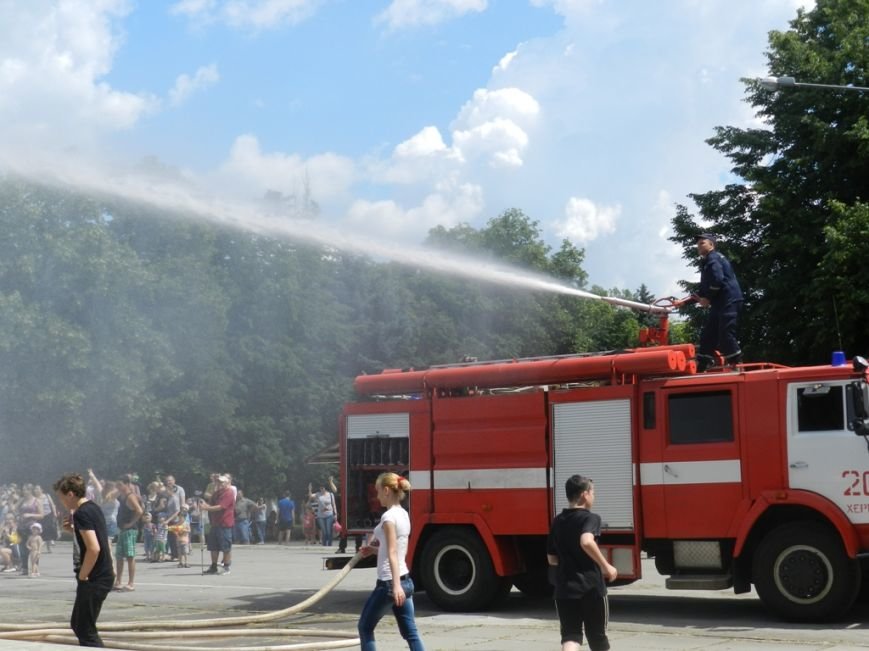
(267, 577)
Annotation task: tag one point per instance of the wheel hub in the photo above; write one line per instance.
(455, 570)
(803, 575)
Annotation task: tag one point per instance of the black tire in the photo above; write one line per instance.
(534, 583)
(458, 573)
(801, 572)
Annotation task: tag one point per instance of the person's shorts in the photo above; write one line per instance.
(283, 525)
(219, 539)
(126, 547)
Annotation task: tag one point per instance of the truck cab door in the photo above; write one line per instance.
(824, 456)
(700, 470)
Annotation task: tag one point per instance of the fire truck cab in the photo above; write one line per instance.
(757, 475)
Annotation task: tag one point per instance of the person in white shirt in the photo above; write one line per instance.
(394, 588)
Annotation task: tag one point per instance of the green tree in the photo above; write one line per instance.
(135, 339)
(493, 322)
(800, 193)
(79, 356)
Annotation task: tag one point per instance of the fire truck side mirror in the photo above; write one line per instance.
(858, 407)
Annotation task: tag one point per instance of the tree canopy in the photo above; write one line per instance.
(795, 217)
(134, 339)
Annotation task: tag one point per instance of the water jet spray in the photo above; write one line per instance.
(173, 198)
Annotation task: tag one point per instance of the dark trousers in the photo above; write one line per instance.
(719, 331)
(89, 598)
(592, 611)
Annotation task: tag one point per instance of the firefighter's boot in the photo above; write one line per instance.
(704, 362)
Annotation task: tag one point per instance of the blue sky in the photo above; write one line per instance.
(399, 115)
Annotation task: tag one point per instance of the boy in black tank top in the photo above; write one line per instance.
(581, 569)
(91, 560)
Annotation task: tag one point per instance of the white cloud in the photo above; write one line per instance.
(510, 103)
(425, 143)
(185, 85)
(248, 169)
(504, 63)
(422, 158)
(490, 127)
(450, 204)
(501, 140)
(414, 13)
(247, 14)
(193, 8)
(54, 57)
(585, 221)
(492, 124)
(568, 8)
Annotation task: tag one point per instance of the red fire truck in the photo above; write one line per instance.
(754, 475)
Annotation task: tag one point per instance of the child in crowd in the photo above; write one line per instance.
(194, 517)
(6, 551)
(161, 536)
(181, 529)
(148, 528)
(309, 527)
(10, 540)
(34, 547)
(6, 559)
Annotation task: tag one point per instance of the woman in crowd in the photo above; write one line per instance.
(49, 520)
(106, 497)
(327, 512)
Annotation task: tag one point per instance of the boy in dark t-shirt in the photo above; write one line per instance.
(581, 570)
(92, 565)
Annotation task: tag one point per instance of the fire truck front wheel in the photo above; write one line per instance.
(801, 572)
(458, 573)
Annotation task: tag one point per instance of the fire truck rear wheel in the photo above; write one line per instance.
(801, 572)
(458, 573)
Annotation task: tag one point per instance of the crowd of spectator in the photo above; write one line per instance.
(165, 518)
(29, 526)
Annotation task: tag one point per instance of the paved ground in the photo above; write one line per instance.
(644, 616)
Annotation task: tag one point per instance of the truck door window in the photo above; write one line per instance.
(820, 408)
(700, 417)
(649, 410)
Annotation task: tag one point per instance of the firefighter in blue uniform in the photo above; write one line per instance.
(720, 292)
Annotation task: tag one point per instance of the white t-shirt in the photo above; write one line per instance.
(325, 505)
(398, 517)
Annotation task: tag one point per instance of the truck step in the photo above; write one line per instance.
(700, 582)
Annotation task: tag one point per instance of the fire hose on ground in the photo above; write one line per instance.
(127, 635)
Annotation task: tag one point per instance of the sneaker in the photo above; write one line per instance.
(226, 571)
(211, 570)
